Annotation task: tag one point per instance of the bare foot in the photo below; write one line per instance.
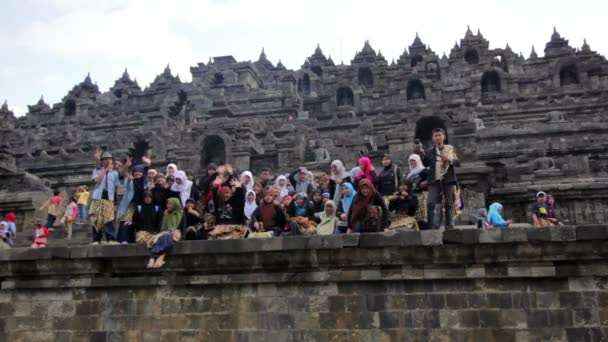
(150, 263)
(159, 262)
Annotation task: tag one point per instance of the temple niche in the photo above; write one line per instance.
(213, 151)
(520, 125)
(415, 90)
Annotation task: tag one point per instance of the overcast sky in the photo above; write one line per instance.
(48, 46)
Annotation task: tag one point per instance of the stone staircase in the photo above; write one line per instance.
(81, 235)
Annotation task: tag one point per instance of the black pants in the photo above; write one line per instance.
(108, 230)
(126, 233)
(437, 192)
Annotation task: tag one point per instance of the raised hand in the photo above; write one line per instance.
(235, 183)
(98, 154)
(146, 160)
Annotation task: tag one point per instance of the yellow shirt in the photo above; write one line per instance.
(83, 198)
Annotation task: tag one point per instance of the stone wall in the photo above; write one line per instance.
(491, 285)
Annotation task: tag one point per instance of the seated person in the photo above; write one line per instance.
(403, 206)
(317, 201)
(540, 211)
(368, 213)
(551, 216)
(327, 220)
(348, 195)
(300, 213)
(482, 218)
(148, 216)
(268, 219)
(192, 224)
(495, 216)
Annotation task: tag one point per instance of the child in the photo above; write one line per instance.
(54, 205)
(482, 218)
(41, 232)
(83, 200)
(540, 211)
(70, 215)
(495, 216)
(5, 236)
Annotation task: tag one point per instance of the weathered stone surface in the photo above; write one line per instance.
(313, 288)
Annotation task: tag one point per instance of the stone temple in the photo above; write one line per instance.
(520, 124)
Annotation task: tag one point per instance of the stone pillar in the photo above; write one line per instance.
(241, 158)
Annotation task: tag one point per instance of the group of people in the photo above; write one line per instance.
(160, 208)
(542, 211)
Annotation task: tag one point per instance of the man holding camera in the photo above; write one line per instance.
(441, 160)
(102, 211)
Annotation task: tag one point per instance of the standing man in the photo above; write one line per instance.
(102, 211)
(441, 160)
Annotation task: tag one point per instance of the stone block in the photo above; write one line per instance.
(431, 237)
(491, 235)
(592, 232)
(461, 236)
(514, 235)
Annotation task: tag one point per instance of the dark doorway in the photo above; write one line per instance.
(214, 151)
(415, 60)
(317, 70)
(306, 84)
(345, 97)
(69, 107)
(415, 90)
(568, 75)
(471, 56)
(366, 78)
(490, 82)
(425, 127)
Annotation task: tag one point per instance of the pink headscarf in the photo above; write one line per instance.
(366, 169)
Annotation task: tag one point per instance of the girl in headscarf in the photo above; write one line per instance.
(282, 183)
(247, 181)
(366, 171)
(269, 218)
(171, 169)
(303, 183)
(250, 204)
(258, 189)
(417, 177)
(193, 229)
(327, 219)
(317, 201)
(148, 216)
(348, 194)
(339, 176)
(229, 211)
(388, 180)
(368, 212)
(182, 186)
(160, 244)
(495, 216)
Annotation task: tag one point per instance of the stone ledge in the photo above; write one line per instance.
(473, 237)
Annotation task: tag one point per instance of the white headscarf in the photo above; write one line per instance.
(419, 167)
(340, 170)
(284, 190)
(250, 207)
(173, 166)
(184, 188)
(248, 186)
